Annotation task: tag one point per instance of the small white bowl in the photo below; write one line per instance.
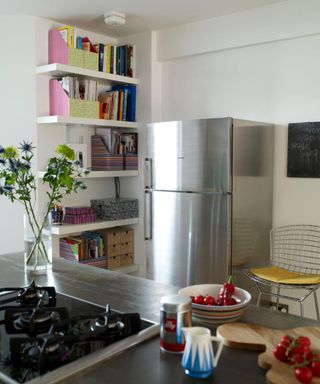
(214, 313)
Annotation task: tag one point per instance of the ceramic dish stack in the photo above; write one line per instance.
(214, 314)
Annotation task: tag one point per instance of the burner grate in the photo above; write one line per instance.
(42, 331)
(30, 296)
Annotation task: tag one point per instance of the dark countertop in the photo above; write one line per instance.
(144, 363)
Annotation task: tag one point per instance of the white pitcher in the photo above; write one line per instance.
(198, 358)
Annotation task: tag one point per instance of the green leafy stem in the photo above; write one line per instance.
(18, 183)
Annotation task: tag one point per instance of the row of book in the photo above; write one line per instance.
(118, 104)
(119, 60)
(87, 246)
(119, 142)
(113, 59)
(83, 89)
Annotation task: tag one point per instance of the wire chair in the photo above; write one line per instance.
(295, 251)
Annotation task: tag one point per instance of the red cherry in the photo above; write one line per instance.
(304, 374)
(209, 300)
(315, 366)
(280, 353)
(286, 340)
(198, 299)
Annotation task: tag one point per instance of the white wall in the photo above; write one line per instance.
(277, 82)
(134, 187)
(17, 109)
(269, 79)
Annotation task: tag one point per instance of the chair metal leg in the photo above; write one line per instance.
(301, 308)
(278, 293)
(259, 298)
(316, 304)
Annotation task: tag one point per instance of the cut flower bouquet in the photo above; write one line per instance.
(18, 183)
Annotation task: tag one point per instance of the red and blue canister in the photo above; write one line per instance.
(175, 313)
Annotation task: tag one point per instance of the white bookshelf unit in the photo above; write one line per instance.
(101, 174)
(47, 126)
(58, 70)
(71, 229)
(69, 120)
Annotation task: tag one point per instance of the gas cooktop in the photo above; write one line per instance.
(46, 336)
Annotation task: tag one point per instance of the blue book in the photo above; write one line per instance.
(132, 103)
(125, 103)
(101, 57)
(79, 42)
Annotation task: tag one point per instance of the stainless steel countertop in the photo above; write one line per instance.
(143, 363)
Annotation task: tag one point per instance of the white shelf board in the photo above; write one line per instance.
(85, 121)
(101, 174)
(58, 70)
(68, 229)
(126, 268)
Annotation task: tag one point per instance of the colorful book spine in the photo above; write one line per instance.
(132, 61)
(125, 100)
(108, 58)
(120, 109)
(101, 57)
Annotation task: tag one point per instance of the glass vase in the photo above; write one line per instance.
(37, 244)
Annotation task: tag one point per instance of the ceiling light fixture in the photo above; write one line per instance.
(114, 18)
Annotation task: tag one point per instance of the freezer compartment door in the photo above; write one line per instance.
(190, 155)
(190, 238)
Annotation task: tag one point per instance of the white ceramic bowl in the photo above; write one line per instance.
(214, 313)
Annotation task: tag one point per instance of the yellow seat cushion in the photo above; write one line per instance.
(283, 276)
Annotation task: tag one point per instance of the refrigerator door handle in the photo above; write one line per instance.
(148, 215)
(148, 173)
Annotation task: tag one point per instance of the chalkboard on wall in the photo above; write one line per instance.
(304, 150)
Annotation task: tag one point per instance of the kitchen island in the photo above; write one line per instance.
(144, 363)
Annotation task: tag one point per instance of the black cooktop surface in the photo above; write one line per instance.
(42, 330)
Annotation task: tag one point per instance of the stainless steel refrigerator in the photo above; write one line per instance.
(208, 199)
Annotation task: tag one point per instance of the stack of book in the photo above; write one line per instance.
(79, 215)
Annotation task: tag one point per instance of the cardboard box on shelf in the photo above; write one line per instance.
(59, 52)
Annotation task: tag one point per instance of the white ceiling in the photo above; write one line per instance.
(141, 15)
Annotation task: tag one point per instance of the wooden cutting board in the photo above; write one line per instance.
(258, 338)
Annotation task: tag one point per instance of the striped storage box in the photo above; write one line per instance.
(103, 160)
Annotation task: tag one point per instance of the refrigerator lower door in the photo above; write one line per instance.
(190, 238)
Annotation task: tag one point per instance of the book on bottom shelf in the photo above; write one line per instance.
(88, 248)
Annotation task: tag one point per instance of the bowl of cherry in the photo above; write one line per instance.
(217, 303)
